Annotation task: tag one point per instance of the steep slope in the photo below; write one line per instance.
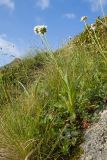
(47, 101)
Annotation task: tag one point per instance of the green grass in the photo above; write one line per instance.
(45, 99)
(22, 71)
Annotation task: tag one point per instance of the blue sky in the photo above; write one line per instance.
(18, 18)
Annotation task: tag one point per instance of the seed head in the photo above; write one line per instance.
(84, 18)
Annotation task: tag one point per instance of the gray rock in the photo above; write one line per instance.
(95, 145)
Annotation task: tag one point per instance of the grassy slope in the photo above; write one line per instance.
(23, 71)
(46, 101)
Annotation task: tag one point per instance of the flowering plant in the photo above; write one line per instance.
(40, 29)
(93, 27)
(84, 18)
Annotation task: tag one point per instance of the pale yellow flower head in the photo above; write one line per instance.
(40, 29)
(93, 27)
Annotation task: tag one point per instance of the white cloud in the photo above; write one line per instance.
(96, 4)
(7, 47)
(8, 3)
(43, 4)
(69, 15)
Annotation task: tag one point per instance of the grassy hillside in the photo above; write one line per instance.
(19, 71)
(47, 101)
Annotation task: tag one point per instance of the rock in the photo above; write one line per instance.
(95, 144)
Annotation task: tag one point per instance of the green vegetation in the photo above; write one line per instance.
(48, 100)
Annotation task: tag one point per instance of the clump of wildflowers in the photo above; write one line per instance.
(84, 18)
(93, 27)
(40, 29)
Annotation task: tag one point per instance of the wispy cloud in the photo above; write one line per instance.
(8, 3)
(38, 19)
(96, 4)
(7, 47)
(69, 15)
(43, 4)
